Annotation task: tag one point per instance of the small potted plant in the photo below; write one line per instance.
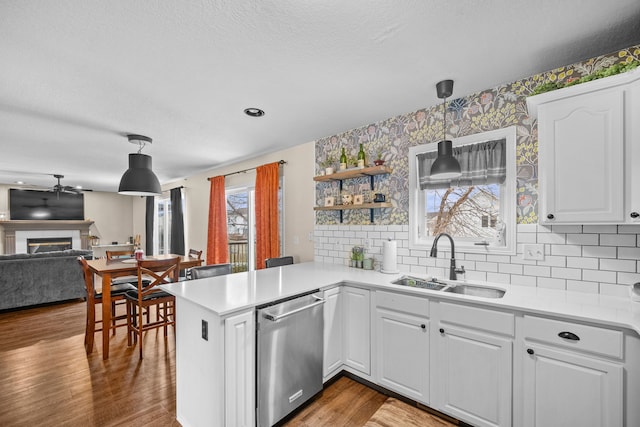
(328, 164)
(379, 161)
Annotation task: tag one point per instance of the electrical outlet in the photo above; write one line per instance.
(533, 252)
(366, 243)
(205, 330)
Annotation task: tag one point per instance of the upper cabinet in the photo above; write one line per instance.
(589, 152)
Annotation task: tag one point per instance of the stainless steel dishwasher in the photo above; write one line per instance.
(289, 355)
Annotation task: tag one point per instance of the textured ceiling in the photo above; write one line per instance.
(76, 76)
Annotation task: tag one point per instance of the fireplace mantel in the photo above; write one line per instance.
(10, 228)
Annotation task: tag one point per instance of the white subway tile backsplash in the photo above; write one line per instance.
(629, 253)
(618, 239)
(566, 250)
(551, 283)
(599, 276)
(618, 265)
(581, 286)
(498, 278)
(583, 239)
(510, 268)
(590, 259)
(629, 229)
(552, 238)
(534, 270)
(628, 278)
(582, 262)
(566, 229)
(599, 251)
(554, 261)
(566, 273)
(523, 280)
(609, 229)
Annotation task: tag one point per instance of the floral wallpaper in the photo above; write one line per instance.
(494, 108)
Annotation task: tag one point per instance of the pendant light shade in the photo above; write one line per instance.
(445, 166)
(139, 179)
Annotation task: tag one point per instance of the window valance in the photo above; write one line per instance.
(480, 163)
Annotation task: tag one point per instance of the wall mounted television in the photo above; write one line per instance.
(45, 205)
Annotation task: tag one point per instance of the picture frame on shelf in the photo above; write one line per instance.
(358, 199)
(329, 201)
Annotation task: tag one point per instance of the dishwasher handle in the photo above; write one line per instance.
(277, 317)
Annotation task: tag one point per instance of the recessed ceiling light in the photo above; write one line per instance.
(19, 182)
(254, 112)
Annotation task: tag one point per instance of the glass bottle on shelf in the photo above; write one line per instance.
(343, 160)
(361, 157)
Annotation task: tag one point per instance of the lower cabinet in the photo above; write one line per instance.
(333, 336)
(239, 346)
(473, 375)
(357, 329)
(402, 344)
(563, 382)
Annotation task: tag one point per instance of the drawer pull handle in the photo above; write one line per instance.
(569, 336)
(530, 351)
(441, 331)
(423, 326)
(550, 216)
(634, 214)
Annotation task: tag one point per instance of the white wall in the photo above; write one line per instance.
(299, 193)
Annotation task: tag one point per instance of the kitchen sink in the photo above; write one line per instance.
(476, 291)
(419, 283)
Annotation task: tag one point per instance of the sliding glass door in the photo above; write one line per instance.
(241, 229)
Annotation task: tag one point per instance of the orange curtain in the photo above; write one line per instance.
(217, 241)
(267, 228)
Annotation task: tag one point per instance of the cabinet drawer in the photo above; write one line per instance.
(478, 318)
(400, 302)
(606, 342)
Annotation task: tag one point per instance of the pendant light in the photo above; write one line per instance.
(446, 166)
(139, 179)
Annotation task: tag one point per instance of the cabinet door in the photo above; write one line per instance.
(565, 389)
(333, 322)
(581, 158)
(632, 152)
(357, 329)
(474, 377)
(402, 353)
(239, 345)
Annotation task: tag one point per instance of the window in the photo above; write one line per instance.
(162, 227)
(241, 226)
(479, 213)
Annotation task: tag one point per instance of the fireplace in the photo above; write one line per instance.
(49, 244)
(16, 233)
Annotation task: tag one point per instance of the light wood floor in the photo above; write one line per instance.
(46, 378)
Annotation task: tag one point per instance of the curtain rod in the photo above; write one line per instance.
(166, 191)
(282, 162)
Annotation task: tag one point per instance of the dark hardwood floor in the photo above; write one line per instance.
(47, 379)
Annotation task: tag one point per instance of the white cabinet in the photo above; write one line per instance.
(239, 356)
(333, 336)
(473, 374)
(567, 379)
(357, 329)
(402, 344)
(586, 153)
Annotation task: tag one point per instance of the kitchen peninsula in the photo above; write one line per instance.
(402, 337)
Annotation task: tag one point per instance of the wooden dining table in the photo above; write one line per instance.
(110, 269)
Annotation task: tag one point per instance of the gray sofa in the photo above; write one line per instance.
(31, 279)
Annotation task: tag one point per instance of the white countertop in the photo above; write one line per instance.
(225, 295)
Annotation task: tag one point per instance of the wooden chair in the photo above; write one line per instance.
(277, 262)
(145, 297)
(93, 299)
(210, 270)
(192, 254)
(128, 253)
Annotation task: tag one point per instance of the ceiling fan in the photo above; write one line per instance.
(59, 188)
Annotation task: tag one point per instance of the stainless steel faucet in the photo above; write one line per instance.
(453, 271)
